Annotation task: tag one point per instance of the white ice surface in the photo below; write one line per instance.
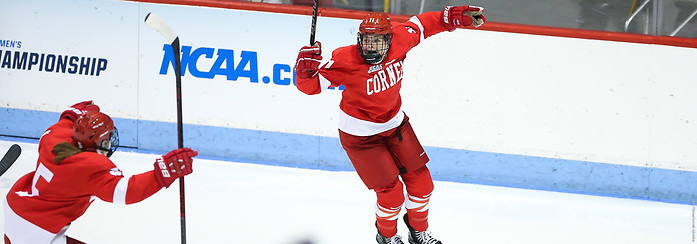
(230, 202)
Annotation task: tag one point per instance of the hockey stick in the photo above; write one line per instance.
(9, 158)
(315, 5)
(157, 23)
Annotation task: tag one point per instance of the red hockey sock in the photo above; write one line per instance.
(419, 187)
(418, 220)
(390, 200)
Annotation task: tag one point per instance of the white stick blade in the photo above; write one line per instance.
(159, 24)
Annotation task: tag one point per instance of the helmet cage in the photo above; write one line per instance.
(372, 49)
(108, 147)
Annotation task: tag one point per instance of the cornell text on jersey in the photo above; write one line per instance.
(385, 78)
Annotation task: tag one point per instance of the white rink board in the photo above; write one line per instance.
(556, 97)
(99, 29)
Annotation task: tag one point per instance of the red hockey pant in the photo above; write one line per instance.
(380, 160)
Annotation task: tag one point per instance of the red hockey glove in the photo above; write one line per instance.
(79, 109)
(307, 64)
(175, 164)
(461, 16)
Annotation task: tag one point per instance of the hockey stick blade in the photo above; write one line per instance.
(9, 158)
(156, 22)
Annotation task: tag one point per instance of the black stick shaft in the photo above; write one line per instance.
(315, 5)
(180, 134)
(9, 158)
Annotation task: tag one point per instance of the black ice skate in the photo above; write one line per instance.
(420, 237)
(396, 239)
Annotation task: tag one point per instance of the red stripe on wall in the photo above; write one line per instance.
(489, 26)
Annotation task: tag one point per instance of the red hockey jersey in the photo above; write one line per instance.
(371, 102)
(54, 195)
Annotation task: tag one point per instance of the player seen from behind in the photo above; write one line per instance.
(73, 169)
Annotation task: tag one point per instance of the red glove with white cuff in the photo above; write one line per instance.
(309, 58)
(461, 16)
(176, 163)
(79, 109)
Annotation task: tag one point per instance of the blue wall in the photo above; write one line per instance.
(305, 151)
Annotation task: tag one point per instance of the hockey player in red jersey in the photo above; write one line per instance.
(373, 129)
(73, 170)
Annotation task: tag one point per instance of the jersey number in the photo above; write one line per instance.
(41, 171)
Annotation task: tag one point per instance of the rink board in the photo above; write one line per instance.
(316, 152)
(567, 114)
